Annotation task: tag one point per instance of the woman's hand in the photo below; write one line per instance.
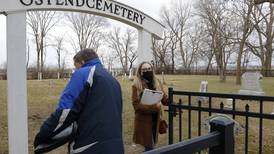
(157, 106)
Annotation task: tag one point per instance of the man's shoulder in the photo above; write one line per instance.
(83, 70)
(81, 73)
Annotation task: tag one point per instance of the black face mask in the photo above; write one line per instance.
(148, 75)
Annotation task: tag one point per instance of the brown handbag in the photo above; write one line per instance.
(163, 127)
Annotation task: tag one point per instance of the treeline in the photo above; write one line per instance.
(66, 74)
(49, 73)
(213, 34)
(216, 33)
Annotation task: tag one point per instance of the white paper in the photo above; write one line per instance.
(150, 97)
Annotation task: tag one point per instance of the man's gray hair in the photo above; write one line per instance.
(85, 55)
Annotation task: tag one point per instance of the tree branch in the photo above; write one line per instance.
(263, 1)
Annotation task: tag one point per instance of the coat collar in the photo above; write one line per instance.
(92, 62)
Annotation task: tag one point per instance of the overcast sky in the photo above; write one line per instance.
(150, 7)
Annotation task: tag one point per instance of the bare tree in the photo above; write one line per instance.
(206, 53)
(131, 58)
(59, 47)
(176, 18)
(242, 10)
(217, 19)
(246, 59)
(263, 48)
(109, 61)
(194, 44)
(263, 1)
(124, 46)
(88, 29)
(63, 63)
(41, 22)
(172, 47)
(161, 52)
(164, 52)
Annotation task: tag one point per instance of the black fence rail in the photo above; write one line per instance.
(219, 141)
(191, 104)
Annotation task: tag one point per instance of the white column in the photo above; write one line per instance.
(144, 52)
(17, 89)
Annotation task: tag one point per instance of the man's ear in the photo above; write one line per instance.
(82, 62)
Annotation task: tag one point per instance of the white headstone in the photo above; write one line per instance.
(203, 88)
(251, 84)
(130, 77)
(273, 111)
(229, 103)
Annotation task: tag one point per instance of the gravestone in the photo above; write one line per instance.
(229, 103)
(203, 89)
(251, 84)
(273, 111)
(204, 86)
(130, 77)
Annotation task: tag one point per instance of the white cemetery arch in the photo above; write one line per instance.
(15, 10)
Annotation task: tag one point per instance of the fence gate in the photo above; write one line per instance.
(188, 111)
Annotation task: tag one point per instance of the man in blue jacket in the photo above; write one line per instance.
(93, 100)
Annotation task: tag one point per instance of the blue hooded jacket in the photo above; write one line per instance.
(93, 99)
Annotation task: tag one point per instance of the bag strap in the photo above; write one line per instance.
(161, 113)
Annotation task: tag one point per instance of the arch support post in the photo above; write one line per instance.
(144, 52)
(17, 84)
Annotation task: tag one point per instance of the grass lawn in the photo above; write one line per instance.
(43, 97)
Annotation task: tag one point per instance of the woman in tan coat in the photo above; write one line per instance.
(147, 117)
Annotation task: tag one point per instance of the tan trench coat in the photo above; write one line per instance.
(143, 119)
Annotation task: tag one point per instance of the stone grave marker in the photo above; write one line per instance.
(203, 88)
(130, 77)
(251, 84)
(229, 103)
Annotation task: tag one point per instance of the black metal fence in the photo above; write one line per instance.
(219, 141)
(209, 107)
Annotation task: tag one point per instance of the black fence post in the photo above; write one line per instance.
(170, 116)
(225, 126)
